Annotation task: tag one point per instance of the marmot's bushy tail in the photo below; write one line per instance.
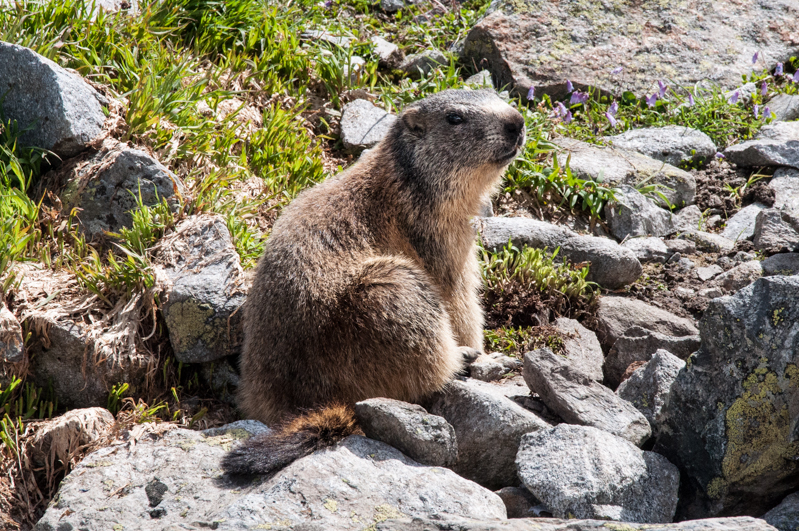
(297, 438)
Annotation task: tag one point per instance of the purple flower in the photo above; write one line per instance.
(766, 112)
(756, 111)
(662, 88)
(531, 93)
(651, 100)
(754, 57)
(578, 97)
(719, 155)
(733, 97)
(569, 86)
(618, 70)
(568, 118)
(778, 70)
(764, 89)
(796, 76)
(690, 100)
(561, 109)
(614, 108)
(611, 119)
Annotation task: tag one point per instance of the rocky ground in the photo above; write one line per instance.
(645, 376)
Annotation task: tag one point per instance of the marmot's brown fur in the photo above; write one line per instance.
(369, 284)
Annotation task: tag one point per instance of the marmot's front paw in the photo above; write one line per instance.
(469, 354)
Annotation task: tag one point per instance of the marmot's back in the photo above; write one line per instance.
(369, 283)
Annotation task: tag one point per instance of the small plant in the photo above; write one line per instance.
(116, 396)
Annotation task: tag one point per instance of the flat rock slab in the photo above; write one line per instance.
(616, 315)
(612, 266)
(742, 523)
(672, 144)
(107, 186)
(63, 111)
(584, 472)
(785, 107)
(706, 273)
(201, 277)
(581, 348)
(648, 387)
(175, 479)
(707, 241)
(363, 125)
(741, 226)
(425, 438)
(633, 214)
(580, 400)
(617, 166)
(730, 421)
(777, 144)
(650, 249)
(532, 42)
(488, 427)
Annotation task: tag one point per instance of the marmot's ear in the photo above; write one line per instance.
(412, 118)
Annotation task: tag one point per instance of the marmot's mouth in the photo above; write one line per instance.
(508, 156)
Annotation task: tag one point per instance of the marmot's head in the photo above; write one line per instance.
(456, 144)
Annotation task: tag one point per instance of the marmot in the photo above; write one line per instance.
(369, 285)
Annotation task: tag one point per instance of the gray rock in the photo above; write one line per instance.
(612, 266)
(648, 387)
(681, 246)
(707, 241)
(740, 276)
(785, 184)
(580, 400)
(107, 188)
(487, 369)
(481, 79)
(488, 427)
(584, 472)
(363, 125)
(688, 218)
(56, 439)
(616, 315)
(239, 429)
(777, 144)
(83, 362)
(706, 273)
(617, 166)
(741, 523)
(642, 39)
(709, 293)
(322, 35)
(392, 6)
(785, 107)
(785, 516)
(634, 214)
(781, 264)
(427, 439)
(420, 64)
(389, 55)
(685, 264)
(650, 249)
(581, 348)
(200, 275)
(63, 112)
(742, 225)
(12, 347)
(639, 344)
(774, 234)
(353, 485)
(730, 422)
(672, 144)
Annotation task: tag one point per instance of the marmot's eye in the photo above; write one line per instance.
(454, 118)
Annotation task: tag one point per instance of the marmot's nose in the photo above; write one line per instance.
(514, 127)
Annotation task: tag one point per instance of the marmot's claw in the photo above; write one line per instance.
(469, 354)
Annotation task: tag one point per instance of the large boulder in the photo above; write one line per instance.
(612, 266)
(527, 43)
(617, 166)
(204, 288)
(776, 144)
(107, 187)
(57, 109)
(579, 400)
(732, 419)
(171, 479)
(584, 472)
(488, 428)
(672, 144)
